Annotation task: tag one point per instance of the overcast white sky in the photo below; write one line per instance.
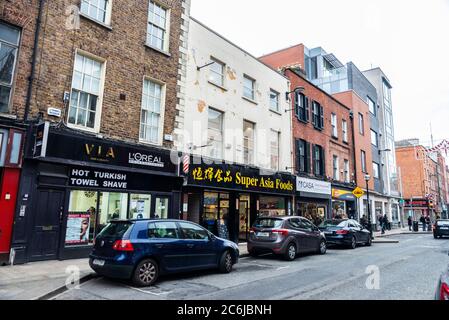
(408, 39)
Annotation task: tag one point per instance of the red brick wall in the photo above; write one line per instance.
(324, 138)
(412, 172)
(361, 142)
(22, 14)
(286, 57)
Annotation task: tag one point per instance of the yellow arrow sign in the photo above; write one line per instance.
(358, 192)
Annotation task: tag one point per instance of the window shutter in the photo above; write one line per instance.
(297, 97)
(306, 108)
(323, 162)
(321, 117)
(298, 155)
(313, 114)
(307, 157)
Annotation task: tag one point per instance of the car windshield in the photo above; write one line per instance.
(333, 223)
(268, 223)
(115, 229)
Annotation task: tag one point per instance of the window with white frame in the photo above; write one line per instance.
(216, 72)
(361, 124)
(152, 112)
(9, 41)
(346, 171)
(97, 9)
(335, 166)
(215, 133)
(86, 94)
(274, 149)
(334, 125)
(371, 105)
(248, 142)
(374, 138)
(249, 87)
(376, 170)
(344, 129)
(274, 100)
(363, 158)
(158, 26)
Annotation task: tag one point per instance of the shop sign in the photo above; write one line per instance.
(417, 203)
(343, 195)
(91, 178)
(102, 151)
(239, 177)
(313, 186)
(78, 225)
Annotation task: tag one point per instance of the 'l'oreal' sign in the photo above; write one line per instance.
(313, 186)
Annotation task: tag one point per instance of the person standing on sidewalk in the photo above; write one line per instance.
(428, 223)
(423, 221)
(410, 223)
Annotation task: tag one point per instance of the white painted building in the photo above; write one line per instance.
(235, 108)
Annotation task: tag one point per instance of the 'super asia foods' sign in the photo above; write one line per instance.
(229, 176)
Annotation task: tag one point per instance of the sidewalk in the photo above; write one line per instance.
(398, 231)
(33, 280)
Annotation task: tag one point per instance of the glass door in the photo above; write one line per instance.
(243, 220)
(161, 207)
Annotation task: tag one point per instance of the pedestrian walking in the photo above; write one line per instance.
(428, 223)
(386, 223)
(410, 223)
(423, 221)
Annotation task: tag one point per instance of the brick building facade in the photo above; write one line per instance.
(107, 96)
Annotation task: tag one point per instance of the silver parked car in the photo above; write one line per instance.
(286, 236)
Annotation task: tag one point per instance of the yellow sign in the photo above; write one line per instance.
(358, 192)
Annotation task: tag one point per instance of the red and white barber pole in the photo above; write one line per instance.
(185, 163)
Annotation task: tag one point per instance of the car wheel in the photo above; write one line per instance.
(226, 262)
(290, 254)
(146, 273)
(369, 242)
(323, 247)
(353, 244)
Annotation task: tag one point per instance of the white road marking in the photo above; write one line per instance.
(282, 268)
(148, 292)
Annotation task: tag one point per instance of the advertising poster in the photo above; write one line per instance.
(77, 229)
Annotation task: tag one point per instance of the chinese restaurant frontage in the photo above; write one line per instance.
(227, 198)
(73, 184)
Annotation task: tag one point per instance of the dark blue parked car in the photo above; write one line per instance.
(141, 250)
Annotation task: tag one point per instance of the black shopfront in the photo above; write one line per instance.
(73, 184)
(233, 195)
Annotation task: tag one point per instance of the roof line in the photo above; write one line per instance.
(233, 44)
(280, 50)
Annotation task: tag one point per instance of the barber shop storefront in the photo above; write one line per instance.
(226, 199)
(74, 184)
(313, 199)
(344, 203)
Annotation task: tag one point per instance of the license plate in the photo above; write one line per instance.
(263, 234)
(98, 262)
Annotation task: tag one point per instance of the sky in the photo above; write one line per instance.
(407, 39)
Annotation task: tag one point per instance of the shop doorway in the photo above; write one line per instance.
(47, 225)
(244, 221)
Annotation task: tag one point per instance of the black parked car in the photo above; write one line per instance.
(286, 236)
(345, 232)
(441, 228)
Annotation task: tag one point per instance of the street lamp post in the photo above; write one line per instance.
(367, 179)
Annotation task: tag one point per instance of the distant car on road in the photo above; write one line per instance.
(442, 292)
(441, 229)
(286, 236)
(345, 232)
(141, 250)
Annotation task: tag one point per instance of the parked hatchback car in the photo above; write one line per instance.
(345, 232)
(286, 236)
(141, 250)
(441, 228)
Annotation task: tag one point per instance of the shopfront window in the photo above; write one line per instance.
(339, 210)
(271, 206)
(139, 206)
(112, 206)
(81, 219)
(216, 209)
(161, 208)
(313, 211)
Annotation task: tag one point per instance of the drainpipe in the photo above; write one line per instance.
(33, 61)
(351, 116)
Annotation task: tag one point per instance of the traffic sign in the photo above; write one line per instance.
(358, 192)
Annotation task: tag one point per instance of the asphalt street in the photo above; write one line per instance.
(405, 270)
